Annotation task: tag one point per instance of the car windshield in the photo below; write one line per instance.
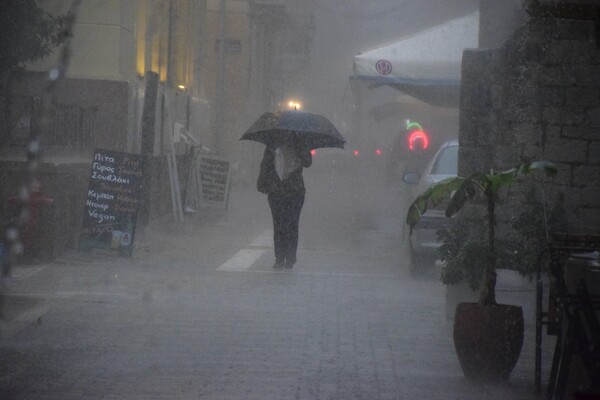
(447, 162)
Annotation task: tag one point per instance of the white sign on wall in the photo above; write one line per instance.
(213, 181)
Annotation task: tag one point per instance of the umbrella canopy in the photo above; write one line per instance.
(426, 65)
(314, 130)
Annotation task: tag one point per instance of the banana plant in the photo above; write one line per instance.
(460, 190)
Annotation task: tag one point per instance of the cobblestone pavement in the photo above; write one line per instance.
(169, 323)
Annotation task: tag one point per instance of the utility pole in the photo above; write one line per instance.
(220, 98)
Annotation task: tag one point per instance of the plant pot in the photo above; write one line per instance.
(456, 294)
(488, 340)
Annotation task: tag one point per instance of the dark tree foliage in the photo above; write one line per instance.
(27, 33)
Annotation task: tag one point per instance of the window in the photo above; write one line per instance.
(152, 37)
(447, 162)
(140, 37)
(164, 40)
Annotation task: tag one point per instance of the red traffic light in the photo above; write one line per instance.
(418, 140)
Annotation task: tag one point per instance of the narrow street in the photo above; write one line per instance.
(198, 312)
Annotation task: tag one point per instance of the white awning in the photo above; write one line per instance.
(428, 62)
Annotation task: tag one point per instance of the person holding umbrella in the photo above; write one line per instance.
(280, 178)
(289, 137)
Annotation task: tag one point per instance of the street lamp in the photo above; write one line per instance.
(294, 105)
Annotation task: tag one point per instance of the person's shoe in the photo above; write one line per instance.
(278, 265)
(288, 265)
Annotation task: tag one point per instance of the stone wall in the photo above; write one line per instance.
(538, 97)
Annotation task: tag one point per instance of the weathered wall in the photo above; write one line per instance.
(498, 20)
(57, 227)
(538, 97)
(106, 103)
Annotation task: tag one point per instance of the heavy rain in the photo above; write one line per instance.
(309, 200)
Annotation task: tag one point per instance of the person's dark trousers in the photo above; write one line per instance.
(285, 210)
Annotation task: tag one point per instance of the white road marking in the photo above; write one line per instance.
(242, 260)
(265, 239)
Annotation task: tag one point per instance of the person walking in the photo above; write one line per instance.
(280, 178)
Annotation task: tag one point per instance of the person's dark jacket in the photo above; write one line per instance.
(268, 180)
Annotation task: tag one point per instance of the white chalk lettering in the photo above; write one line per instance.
(110, 178)
(103, 158)
(100, 217)
(101, 206)
(100, 196)
(103, 168)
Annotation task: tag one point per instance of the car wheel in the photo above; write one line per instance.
(420, 264)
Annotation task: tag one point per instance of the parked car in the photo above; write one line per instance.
(424, 241)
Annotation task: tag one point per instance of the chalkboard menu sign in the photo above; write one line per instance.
(112, 201)
(214, 181)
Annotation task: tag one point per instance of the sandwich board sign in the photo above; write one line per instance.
(112, 201)
(213, 176)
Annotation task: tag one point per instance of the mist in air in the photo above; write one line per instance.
(188, 296)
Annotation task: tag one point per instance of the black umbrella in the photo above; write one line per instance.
(314, 130)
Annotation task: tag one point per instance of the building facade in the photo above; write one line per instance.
(532, 94)
(155, 77)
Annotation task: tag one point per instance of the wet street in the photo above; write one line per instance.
(198, 312)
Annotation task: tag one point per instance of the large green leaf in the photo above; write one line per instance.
(548, 168)
(434, 195)
(463, 189)
(460, 189)
(498, 181)
(463, 193)
(508, 177)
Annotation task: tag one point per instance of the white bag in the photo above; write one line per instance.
(286, 161)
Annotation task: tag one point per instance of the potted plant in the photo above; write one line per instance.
(464, 252)
(487, 336)
(464, 248)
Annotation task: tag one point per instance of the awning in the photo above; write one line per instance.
(425, 65)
